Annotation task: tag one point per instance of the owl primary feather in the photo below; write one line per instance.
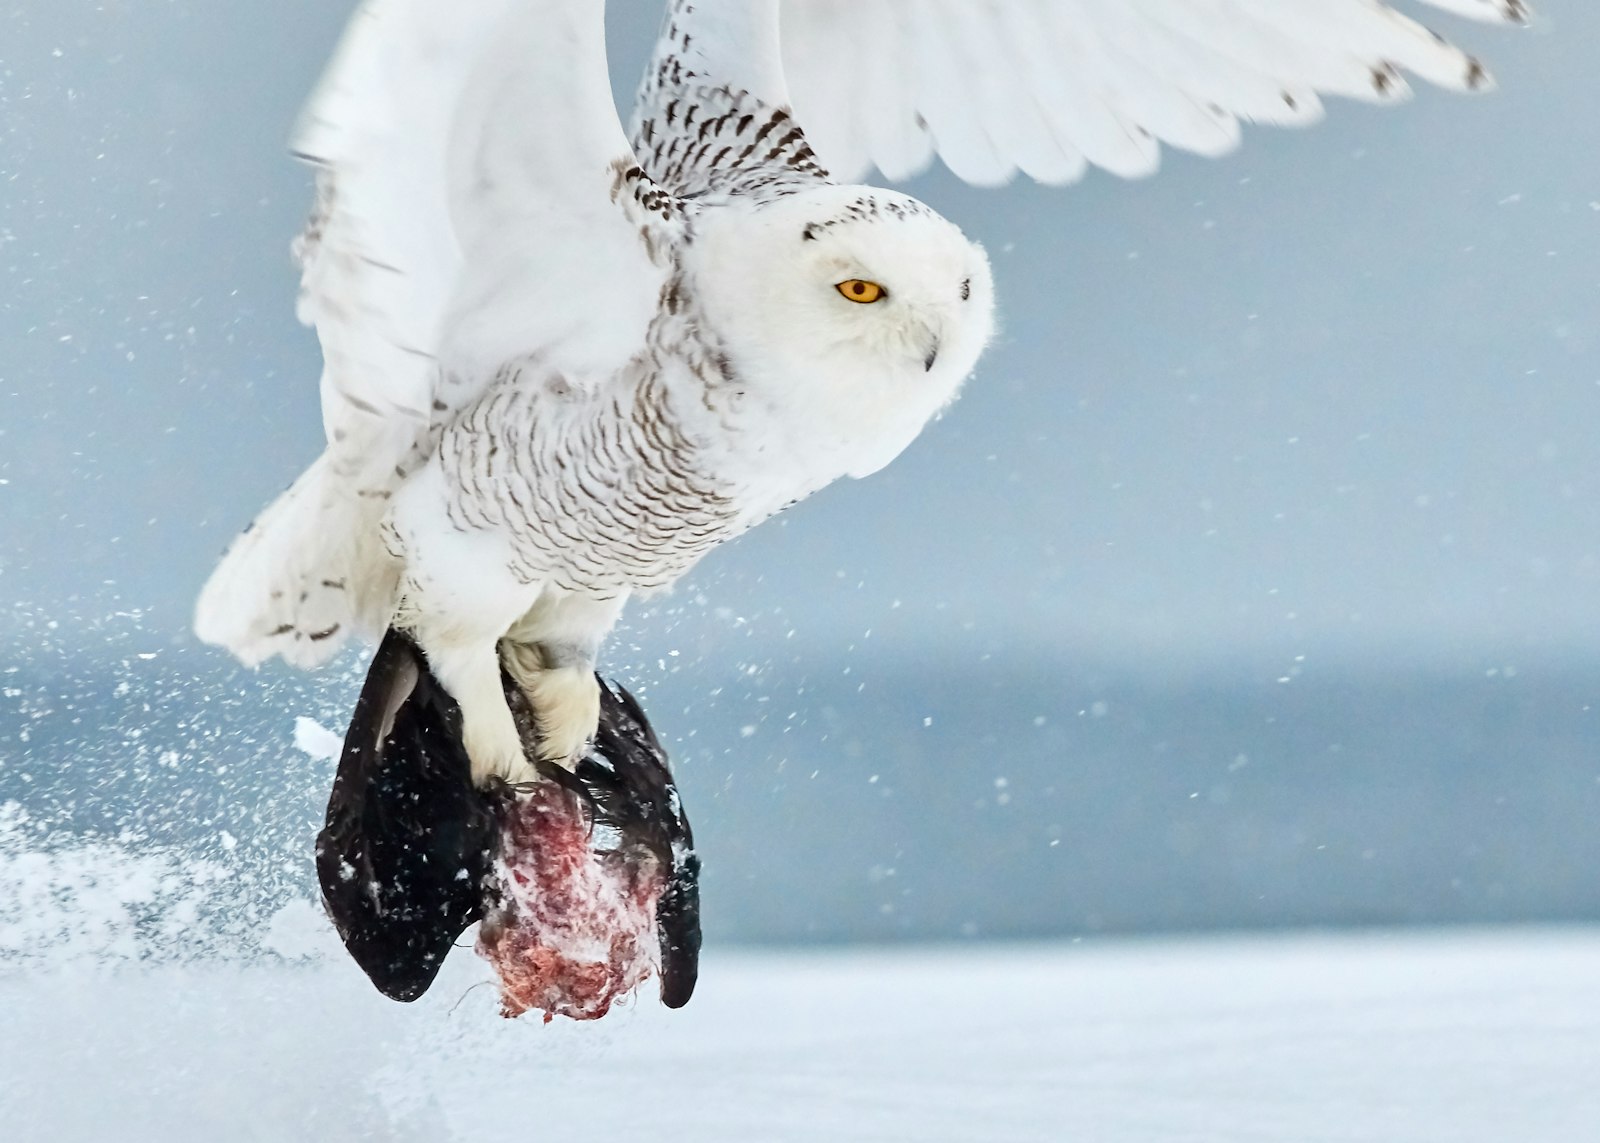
(562, 363)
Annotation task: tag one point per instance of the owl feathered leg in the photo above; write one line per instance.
(470, 672)
(469, 608)
(458, 597)
(550, 652)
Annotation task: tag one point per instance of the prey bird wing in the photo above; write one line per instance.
(462, 150)
(1052, 87)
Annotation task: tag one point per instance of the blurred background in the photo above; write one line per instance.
(1254, 581)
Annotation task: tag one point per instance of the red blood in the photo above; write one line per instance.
(574, 929)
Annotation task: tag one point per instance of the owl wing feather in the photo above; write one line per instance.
(440, 130)
(712, 114)
(1052, 87)
(477, 201)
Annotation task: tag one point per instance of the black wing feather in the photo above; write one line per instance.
(406, 850)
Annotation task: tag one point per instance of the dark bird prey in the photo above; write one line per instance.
(586, 880)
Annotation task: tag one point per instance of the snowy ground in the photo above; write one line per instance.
(1483, 1035)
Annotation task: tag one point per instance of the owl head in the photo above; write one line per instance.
(855, 313)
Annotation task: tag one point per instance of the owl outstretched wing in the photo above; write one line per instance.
(440, 132)
(1052, 87)
(476, 202)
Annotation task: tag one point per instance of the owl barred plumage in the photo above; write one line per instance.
(621, 502)
(697, 136)
(562, 364)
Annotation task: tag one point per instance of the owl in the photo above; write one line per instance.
(562, 362)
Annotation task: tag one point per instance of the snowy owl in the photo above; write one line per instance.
(562, 364)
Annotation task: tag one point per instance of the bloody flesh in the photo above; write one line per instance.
(572, 928)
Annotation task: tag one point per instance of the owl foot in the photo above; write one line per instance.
(488, 730)
(495, 750)
(566, 701)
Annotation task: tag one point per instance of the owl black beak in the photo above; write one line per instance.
(923, 336)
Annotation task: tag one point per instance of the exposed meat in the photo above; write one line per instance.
(570, 930)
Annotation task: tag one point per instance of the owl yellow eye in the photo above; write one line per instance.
(858, 290)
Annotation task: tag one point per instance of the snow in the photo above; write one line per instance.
(1489, 1035)
(146, 995)
(316, 740)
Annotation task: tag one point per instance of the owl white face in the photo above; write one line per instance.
(856, 311)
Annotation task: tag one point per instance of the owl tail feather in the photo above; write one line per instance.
(310, 570)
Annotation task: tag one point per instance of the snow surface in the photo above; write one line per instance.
(146, 995)
(1476, 1035)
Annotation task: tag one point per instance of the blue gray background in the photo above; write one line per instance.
(1255, 579)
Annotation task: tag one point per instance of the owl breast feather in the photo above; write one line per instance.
(597, 490)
